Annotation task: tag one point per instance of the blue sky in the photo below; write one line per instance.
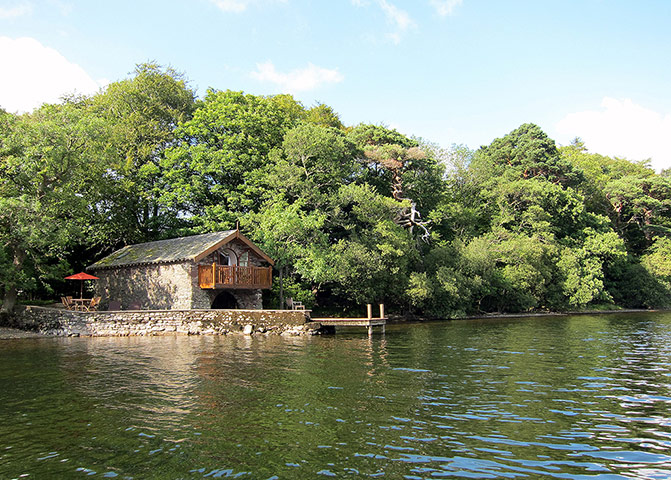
(451, 71)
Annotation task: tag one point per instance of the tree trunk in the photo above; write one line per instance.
(9, 300)
(281, 288)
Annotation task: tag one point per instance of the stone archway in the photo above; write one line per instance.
(225, 301)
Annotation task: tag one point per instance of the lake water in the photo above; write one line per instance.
(546, 397)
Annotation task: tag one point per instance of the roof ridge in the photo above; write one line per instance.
(227, 232)
(168, 250)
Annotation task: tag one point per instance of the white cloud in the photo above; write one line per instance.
(231, 5)
(299, 80)
(236, 6)
(65, 8)
(622, 128)
(35, 74)
(445, 7)
(396, 16)
(18, 10)
(400, 19)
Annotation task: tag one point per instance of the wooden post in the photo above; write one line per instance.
(370, 330)
(370, 310)
(214, 274)
(382, 310)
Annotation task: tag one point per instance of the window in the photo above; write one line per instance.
(244, 259)
(227, 257)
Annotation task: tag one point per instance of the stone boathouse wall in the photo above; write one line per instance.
(173, 285)
(54, 321)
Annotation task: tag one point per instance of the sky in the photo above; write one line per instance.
(450, 71)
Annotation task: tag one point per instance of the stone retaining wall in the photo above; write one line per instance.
(53, 321)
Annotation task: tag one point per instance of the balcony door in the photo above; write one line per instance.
(227, 257)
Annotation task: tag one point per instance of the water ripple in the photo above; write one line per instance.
(561, 397)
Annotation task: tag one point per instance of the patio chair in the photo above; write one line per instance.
(294, 305)
(93, 306)
(71, 303)
(66, 303)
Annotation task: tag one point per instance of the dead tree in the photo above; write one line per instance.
(396, 159)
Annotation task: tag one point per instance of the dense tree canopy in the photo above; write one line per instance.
(351, 214)
(50, 162)
(141, 114)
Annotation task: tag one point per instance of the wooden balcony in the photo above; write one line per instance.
(222, 276)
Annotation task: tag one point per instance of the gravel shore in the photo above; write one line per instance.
(9, 333)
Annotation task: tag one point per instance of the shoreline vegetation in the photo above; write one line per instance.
(351, 214)
(405, 319)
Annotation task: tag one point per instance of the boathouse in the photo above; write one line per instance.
(213, 270)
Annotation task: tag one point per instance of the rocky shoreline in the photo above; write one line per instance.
(42, 322)
(7, 333)
(64, 323)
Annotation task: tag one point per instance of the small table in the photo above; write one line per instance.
(81, 304)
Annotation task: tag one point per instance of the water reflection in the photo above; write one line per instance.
(568, 397)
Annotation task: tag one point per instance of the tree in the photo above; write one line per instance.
(510, 271)
(598, 171)
(640, 208)
(370, 256)
(396, 164)
(460, 213)
(444, 289)
(311, 164)
(526, 152)
(324, 116)
(657, 261)
(293, 237)
(143, 112)
(583, 267)
(213, 170)
(51, 163)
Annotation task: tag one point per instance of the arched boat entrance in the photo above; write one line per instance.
(225, 301)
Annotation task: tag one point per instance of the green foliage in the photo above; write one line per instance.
(141, 114)
(371, 254)
(514, 270)
(292, 288)
(461, 212)
(640, 208)
(535, 206)
(632, 285)
(312, 162)
(598, 171)
(212, 170)
(657, 261)
(526, 152)
(443, 289)
(50, 166)
(324, 116)
(519, 225)
(583, 268)
(368, 138)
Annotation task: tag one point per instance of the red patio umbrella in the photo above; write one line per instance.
(81, 276)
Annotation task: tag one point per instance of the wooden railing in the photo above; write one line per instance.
(222, 276)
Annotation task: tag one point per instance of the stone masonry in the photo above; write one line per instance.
(247, 299)
(162, 286)
(54, 321)
(174, 285)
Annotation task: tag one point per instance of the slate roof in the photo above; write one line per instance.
(163, 251)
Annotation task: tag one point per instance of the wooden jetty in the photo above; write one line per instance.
(369, 322)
